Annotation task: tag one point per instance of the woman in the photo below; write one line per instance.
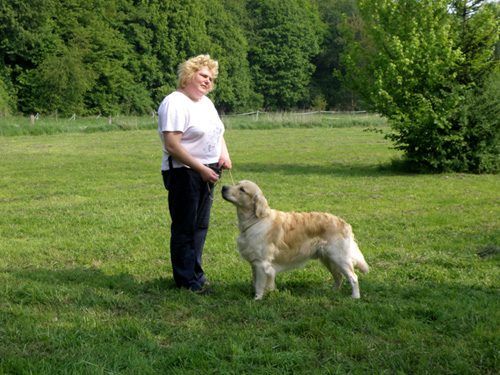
(194, 151)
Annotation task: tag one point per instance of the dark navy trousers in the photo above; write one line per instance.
(190, 202)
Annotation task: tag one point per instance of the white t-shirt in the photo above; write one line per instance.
(200, 124)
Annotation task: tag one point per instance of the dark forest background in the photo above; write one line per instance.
(108, 56)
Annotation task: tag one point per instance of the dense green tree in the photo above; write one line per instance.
(285, 37)
(409, 66)
(404, 55)
(25, 39)
(475, 34)
(6, 100)
(73, 59)
(59, 84)
(141, 28)
(166, 33)
(7, 92)
(477, 121)
(229, 46)
(25, 30)
(324, 82)
(110, 56)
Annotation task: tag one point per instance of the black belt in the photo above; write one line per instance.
(211, 165)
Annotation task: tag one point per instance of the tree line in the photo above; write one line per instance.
(430, 66)
(109, 56)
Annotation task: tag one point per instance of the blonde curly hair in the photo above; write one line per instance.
(188, 68)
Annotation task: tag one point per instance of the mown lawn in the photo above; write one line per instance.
(86, 284)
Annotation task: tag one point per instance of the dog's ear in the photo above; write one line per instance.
(261, 206)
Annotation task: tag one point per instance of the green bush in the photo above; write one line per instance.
(479, 122)
(465, 138)
(421, 64)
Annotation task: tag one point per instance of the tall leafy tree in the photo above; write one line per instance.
(405, 55)
(408, 65)
(60, 83)
(25, 30)
(179, 32)
(6, 99)
(324, 82)
(229, 45)
(497, 44)
(476, 33)
(140, 27)
(26, 38)
(284, 38)
(476, 121)
(109, 56)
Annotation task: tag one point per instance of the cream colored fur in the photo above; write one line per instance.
(273, 241)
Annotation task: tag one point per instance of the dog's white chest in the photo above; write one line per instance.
(252, 247)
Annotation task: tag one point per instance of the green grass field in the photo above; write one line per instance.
(85, 275)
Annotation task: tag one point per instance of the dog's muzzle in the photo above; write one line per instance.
(225, 189)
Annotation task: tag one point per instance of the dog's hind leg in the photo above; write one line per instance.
(348, 271)
(270, 277)
(338, 263)
(254, 276)
(337, 275)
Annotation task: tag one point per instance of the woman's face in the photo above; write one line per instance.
(201, 83)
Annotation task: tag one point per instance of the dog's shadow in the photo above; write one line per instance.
(288, 286)
(307, 289)
(85, 284)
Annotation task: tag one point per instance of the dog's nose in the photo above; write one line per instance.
(224, 188)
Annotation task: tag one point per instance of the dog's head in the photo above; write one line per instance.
(247, 197)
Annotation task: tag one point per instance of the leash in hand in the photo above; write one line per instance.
(219, 172)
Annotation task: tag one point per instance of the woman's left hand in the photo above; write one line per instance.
(225, 163)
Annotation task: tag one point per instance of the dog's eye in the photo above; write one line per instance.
(242, 189)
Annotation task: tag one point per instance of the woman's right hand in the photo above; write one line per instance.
(208, 175)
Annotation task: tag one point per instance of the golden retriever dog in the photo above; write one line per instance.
(274, 241)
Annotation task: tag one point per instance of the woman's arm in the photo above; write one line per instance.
(174, 148)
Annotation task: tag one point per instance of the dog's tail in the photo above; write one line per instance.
(358, 258)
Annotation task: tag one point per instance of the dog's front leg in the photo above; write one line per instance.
(260, 280)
